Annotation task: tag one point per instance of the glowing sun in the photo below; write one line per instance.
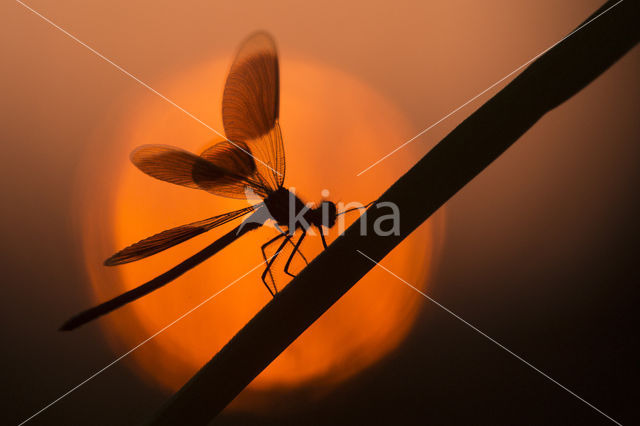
(333, 125)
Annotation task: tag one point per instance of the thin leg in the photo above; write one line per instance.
(324, 242)
(299, 252)
(266, 259)
(268, 268)
(293, 253)
(267, 244)
(264, 255)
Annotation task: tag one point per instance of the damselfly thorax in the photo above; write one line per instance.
(289, 211)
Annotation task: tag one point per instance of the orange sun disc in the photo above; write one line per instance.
(333, 126)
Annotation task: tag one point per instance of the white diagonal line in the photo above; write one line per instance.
(127, 73)
(501, 346)
(141, 343)
(489, 88)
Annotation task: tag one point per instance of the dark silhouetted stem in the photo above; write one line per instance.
(455, 161)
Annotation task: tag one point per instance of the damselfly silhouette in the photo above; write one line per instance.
(250, 160)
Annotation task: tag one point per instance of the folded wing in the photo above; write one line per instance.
(171, 237)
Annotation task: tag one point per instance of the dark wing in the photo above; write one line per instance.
(250, 106)
(164, 278)
(171, 237)
(181, 167)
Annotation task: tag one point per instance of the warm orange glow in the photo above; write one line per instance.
(333, 126)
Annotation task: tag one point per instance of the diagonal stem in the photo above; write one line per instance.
(448, 167)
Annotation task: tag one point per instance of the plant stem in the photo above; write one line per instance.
(455, 161)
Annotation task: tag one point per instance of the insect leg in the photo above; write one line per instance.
(293, 253)
(267, 270)
(324, 242)
(290, 240)
(306, 262)
(264, 255)
(267, 244)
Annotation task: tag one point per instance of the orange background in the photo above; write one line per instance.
(539, 251)
(326, 120)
